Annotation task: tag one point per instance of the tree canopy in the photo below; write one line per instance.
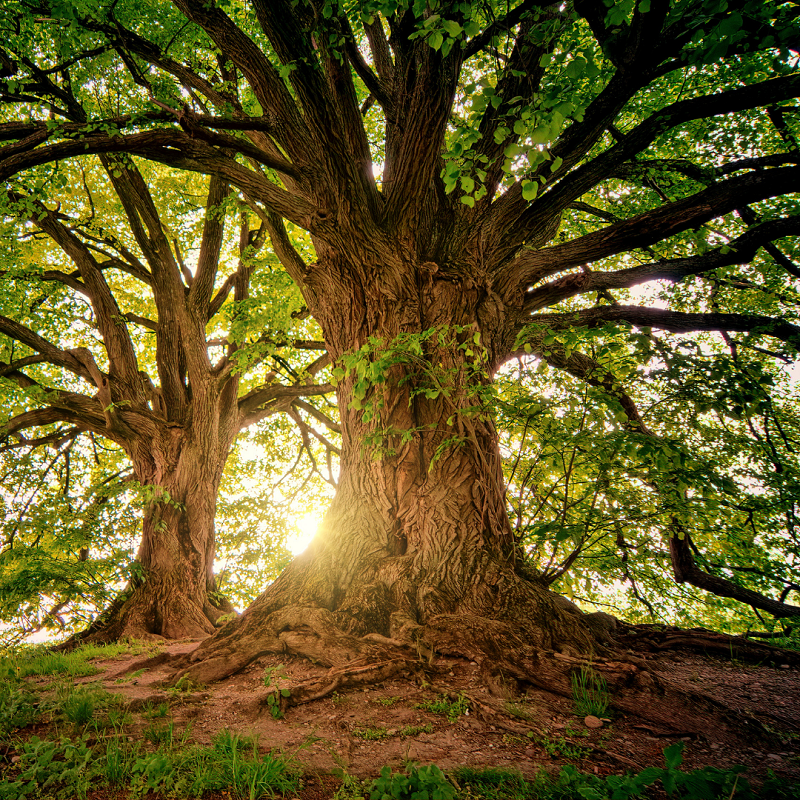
(559, 234)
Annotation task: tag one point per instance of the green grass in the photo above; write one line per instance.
(492, 783)
(452, 709)
(590, 693)
(39, 661)
(378, 733)
(232, 764)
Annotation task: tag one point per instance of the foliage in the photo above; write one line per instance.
(379, 733)
(493, 783)
(17, 706)
(61, 769)
(452, 709)
(705, 783)
(617, 185)
(418, 783)
(68, 768)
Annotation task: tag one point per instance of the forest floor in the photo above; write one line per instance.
(444, 715)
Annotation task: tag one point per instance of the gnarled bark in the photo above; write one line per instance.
(416, 551)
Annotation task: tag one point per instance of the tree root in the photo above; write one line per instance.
(508, 666)
(659, 638)
(337, 678)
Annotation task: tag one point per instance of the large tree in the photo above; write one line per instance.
(127, 316)
(459, 169)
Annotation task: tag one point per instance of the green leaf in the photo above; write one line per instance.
(452, 27)
(529, 190)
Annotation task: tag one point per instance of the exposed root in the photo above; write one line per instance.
(509, 665)
(659, 638)
(339, 678)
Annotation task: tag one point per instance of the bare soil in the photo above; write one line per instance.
(362, 730)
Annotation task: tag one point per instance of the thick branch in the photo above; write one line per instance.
(738, 251)
(686, 571)
(674, 321)
(653, 226)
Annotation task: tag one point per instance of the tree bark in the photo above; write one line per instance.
(416, 549)
(173, 591)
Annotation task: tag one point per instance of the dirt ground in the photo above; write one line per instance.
(362, 730)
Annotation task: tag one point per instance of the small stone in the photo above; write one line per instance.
(473, 663)
(592, 722)
(15, 759)
(774, 756)
(784, 666)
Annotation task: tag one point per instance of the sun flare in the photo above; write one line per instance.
(305, 530)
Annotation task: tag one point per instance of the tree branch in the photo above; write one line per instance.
(738, 251)
(674, 321)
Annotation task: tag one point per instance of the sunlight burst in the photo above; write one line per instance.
(305, 531)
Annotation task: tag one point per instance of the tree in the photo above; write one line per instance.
(460, 168)
(110, 333)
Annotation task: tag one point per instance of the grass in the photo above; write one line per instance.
(452, 709)
(68, 768)
(39, 661)
(589, 692)
(378, 733)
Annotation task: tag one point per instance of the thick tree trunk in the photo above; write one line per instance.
(173, 591)
(416, 549)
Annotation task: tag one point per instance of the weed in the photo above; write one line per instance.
(388, 701)
(351, 789)
(151, 712)
(79, 708)
(38, 660)
(590, 692)
(429, 782)
(185, 685)
(274, 675)
(561, 748)
(227, 743)
(274, 702)
(132, 677)
(62, 769)
(377, 734)
(452, 709)
(493, 783)
(118, 718)
(518, 711)
(117, 762)
(413, 730)
(164, 736)
(17, 707)
(372, 734)
(338, 699)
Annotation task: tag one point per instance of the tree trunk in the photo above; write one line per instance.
(173, 592)
(416, 548)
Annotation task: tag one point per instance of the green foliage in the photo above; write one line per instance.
(492, 783)
(589, 692)
(62, 769)
(706, 783)
(418, 783)
(273, 677)
(379, 733)
(452, 709)
(17, 706)
(68, 768)
(79, 708)
(447, 362)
